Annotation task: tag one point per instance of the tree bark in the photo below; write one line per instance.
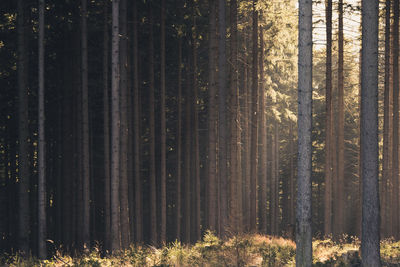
(212, 120)
(115, 129)
(42, 141)
(179, 146)
(188, 150)
(304, 166)
(369, 135)
(328, 129)
(23, 124)
(254, 123)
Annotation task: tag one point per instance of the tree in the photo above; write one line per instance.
(395, 166)
(106, 132)
(212, 119)
(369, 135)
(42, 141)
(222, 119)
(303, 208)
(23, 121)
(179, 145)
(124, 127)
(85, 129)
(115, 129)
(328, 129)
(254, 120)
(163, 132)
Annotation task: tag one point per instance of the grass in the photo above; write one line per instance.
(241, 250)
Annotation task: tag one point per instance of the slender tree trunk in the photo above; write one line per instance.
(254, 123)
(222, 122)
(234, 175)
(42, 141)
(395, 166)
(163, 166)
(328, 129)
(106, 132)
(369, 135)
(196, 153)
(124, 129)
(247, 150)
(23, 121)
(212, 119)
(188, 136)
(136, 126)
(386, 127)
(273, 196)
(85, 129)
(179, 146)
(115, 129)
(340, 186)
(153, 189)
(292, 181)
(304, 166)
(263, 147)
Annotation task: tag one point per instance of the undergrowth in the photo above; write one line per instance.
(240, 251)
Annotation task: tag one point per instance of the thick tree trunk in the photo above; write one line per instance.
(124, 128)
(136, 126)
(163, 234)
(42, 141)
(369, 134)
(304, 166)
(23, 124)
(115, 130)
(212, 120)
(328, 129)
(254, 124)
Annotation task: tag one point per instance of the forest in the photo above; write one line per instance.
(199, 133)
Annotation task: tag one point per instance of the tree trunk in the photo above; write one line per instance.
(153, 189)
(369, 134)
(115, 129)
(178, 203)
(136, 126)
(254, 120)
(386, 127)
(85, 129)
(339, 216)
(263, 145)
(42, 141)
(163, 132)
(124, 129)
(212, 120)
(304, 166)
(188, 136)
(23, 121)
(106, 132)
(328, 129)
(222, 122)
(395, 165)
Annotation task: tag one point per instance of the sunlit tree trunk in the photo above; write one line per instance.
(304, 166)
(328, 129)
(42, 141)
(23, 121)
(115, 129)
(369, 135)
(254, 123)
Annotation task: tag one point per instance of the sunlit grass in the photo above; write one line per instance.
(239, 250)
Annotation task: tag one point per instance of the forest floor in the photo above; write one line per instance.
(244, 250)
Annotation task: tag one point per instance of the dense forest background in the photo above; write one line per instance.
(167, 118)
